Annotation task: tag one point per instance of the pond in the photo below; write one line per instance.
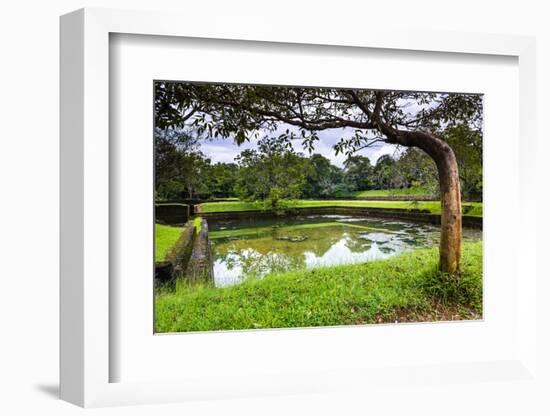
(257, 247)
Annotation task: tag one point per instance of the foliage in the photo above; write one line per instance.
(418, 169)
(405, 288)
(413, 168)
(387, 174)
(279, 175)
(188, 112)
(273, 173)
(180, 168)
(165, 237)
(242, 111)
(359, 173)
(468, 148)
(323, 179)
(221, 180)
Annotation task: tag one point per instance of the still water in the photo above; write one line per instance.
(257, 247)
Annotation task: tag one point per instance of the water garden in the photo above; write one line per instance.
(255, 248)
(267, 270)
(255, 232)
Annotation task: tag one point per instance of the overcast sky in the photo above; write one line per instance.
(225, 150)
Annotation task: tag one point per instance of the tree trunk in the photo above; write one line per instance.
(449, 185)
(451, 215)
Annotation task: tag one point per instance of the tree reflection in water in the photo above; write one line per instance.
(254, 248)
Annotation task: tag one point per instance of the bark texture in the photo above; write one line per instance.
(449, 183)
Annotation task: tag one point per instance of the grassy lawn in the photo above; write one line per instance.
(405, 288)
(474, 209)
(471, 208)
(197, 223)
(415, 190)
(165, 237)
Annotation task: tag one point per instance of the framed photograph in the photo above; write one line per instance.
(287, 213)
(274, 203)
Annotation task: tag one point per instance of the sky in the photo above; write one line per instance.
(225, 150)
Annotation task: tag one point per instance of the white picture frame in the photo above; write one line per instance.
(85, 353)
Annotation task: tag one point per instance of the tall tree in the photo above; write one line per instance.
(387, 174)
(273, 172)
(179, 166)
(222, 177)
(418, 169)
(409, 119)
(324, 180)
(359, 173)
(467, 145)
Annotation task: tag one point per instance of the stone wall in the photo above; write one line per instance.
(200, 266)
(190, 258)
(173, 214)
(180, 253)
(175, 262)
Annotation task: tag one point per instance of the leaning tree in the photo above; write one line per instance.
(366, 117)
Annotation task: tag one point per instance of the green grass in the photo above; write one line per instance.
(414, 190)
(230, 206)
(197, 223)
(405, 288)
(165, 237)
(434, 207)
(474, 209)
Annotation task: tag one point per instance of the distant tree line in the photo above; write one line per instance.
(275, 172)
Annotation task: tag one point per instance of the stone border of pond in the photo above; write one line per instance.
(413, 215)
(172, 213)
(200, 267)
(190, 258)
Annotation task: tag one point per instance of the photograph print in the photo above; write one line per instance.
(296, 207)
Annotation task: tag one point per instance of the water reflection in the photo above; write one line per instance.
(243, 248)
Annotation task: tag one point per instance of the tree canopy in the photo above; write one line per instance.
(273, 172)
(243, 111)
